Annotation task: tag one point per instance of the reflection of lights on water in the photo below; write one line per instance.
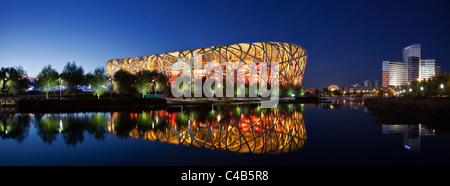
(60, 125)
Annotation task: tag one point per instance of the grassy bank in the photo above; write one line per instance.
(86, 105)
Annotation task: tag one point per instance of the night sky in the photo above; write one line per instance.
(345, 40)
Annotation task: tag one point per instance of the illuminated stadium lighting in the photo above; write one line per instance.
(290, 57)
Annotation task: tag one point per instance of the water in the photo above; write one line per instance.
(291, 134)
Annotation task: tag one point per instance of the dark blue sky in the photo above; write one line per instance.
(345, 40)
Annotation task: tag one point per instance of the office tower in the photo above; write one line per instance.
(394, 73)
(412, 55)
(377, 84)
(345, 88)
(385, 73)
(429, 68)
(413, 66)
(367, 84)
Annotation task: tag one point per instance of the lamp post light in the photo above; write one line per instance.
(442, 89)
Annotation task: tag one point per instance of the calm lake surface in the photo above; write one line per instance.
(334, 133)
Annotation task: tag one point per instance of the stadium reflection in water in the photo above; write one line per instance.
(246, 129)
(234, 129)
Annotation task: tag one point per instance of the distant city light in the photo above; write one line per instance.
(410, 90)
(421, 88)
(442, 86)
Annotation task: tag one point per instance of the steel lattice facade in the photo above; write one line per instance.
(290, 57)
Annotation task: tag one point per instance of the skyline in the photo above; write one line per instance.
(346, 41)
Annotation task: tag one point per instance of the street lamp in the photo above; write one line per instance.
(442, 88)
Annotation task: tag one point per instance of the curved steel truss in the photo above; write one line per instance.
(291, 58)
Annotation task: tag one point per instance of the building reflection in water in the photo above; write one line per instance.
(232, 128)
(411, 134)
(247, 129)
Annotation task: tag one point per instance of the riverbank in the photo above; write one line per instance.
(117, 104)
(434, 112)
(206, 101)
(87, 105)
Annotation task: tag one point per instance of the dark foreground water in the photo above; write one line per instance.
(291, 134)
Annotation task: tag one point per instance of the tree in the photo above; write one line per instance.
(98, 81)
(47, 79)
(124, 82)
(145, 80)
(14, 79)
(73, 76)
(301, 91)
(325, 92)
(162, 83)
(2, 77)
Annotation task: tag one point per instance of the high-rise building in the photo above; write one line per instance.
(429, 68)
(377, 84)
(385, 74)
(412, 55)
(367, 84)
(413, 67)
(396, 74)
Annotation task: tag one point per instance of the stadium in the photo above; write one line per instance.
(290, 57)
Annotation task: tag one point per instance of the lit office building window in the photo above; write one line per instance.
(412, 55)
(429, 68)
